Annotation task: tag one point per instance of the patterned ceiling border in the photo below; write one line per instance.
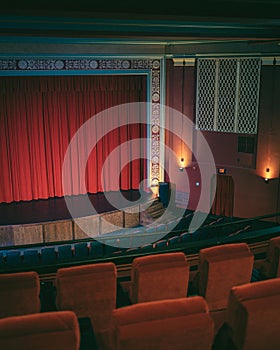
(151, 66)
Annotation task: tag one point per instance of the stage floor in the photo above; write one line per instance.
(53, 209)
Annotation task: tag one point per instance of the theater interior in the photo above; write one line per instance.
(140, 163)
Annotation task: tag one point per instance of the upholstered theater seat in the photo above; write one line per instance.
(48, 256)
(13, 258)
(58, 330)
(160, 276)
(64, 253)
(19, 294)
(171, 324)
(253, 318)
(270, 268)
(89, 291)
(81, 250)
(31, 257)
(221, 268)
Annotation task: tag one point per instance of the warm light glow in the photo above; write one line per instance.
(268, 171)
(182, 164)
(184, 160)
(154, 189)
(267, 174)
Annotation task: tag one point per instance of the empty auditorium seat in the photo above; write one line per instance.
(64, 253)
(48, 256)
(179, 324)
(186, 237)
(31, 257)
(173, 240)
(132, 251)
(253, 318)
(43, 331)
(13, 258)
(19, 293)
(161, 244)
(220, 268)
(81, 250)
(185, 222)
(96, 249)
(239, 231)
(160, 276)
(270, 267)
(89, 291)
(146, 247)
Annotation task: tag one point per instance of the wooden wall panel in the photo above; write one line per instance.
(28, 234)
(131, 218)
(115, 218)
(91, 225)
(6, 236)
(58, 231)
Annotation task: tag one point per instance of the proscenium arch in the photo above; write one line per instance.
(153, 67)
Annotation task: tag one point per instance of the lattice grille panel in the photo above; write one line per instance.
(206, 101)
(249, 96)
(228, 94)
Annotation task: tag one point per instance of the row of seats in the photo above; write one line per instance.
(138, 237)
(252, 323)
(187, 324)
(168, 274)
(49, 255)
(168, 324)
(90, 290)
(164, 276)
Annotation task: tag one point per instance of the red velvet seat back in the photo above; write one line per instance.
(179, 324)
(19, 294)
(44, 331)
(88, 290)
(271, 265)
(253, 315)
(221, 268)
(160, 276)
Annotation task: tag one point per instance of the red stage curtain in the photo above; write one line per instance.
(40, 115)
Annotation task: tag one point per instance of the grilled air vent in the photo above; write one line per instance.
(228, 94)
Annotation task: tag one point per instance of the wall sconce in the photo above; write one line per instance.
(266, 179)
(181, 164)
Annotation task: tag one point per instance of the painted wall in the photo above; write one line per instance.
(253, 197)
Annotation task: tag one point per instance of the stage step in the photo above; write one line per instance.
(153, 212)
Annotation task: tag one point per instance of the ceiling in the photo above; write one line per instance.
(216, 8)
(177, 28)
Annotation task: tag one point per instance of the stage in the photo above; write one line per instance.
(54, 209)
(44, 221)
